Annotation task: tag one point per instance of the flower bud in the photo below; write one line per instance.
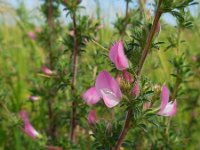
(136, 89)
(92, 117)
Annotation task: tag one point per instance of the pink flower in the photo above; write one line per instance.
(136, 89)
(31, 35)
(118, 57)
(92, 117)
(28, 128)
(167, 108)
(33, 98)
(91, 96)
(127, 76)
(47, 71)
(108, 88)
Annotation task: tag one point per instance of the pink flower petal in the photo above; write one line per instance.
(169, 110)
(47, 71)
(28, 128)
(24, 117)
(110, 98)
(118, 57)
(91, 96)
(92, 117)
(30, 131)
(164, 97)
(108, 88)
(33, 98)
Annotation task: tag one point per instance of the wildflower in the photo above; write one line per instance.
(118, 57)
(167, 108)
(28, 128)
(91, 96)
(92, 117)
(47, 71)
(33, 98)
(108, 88)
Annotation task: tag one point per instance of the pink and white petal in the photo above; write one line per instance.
(105, 81)
(169, 110)
(110, 99)
(30, 131)
(108, 88)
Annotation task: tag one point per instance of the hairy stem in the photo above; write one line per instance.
(141, 63)
(149, 39)
(74, 72)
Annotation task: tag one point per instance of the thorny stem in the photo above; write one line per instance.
(74, 72)
(141, 63)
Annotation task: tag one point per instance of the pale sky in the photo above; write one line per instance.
(109, 8)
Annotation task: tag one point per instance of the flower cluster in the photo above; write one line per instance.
(107, 88)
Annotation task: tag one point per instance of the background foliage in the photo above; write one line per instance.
(176, 61)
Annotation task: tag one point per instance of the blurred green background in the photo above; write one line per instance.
(21, 59)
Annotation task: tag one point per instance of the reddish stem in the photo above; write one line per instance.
(141, 63)
(74, 71)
